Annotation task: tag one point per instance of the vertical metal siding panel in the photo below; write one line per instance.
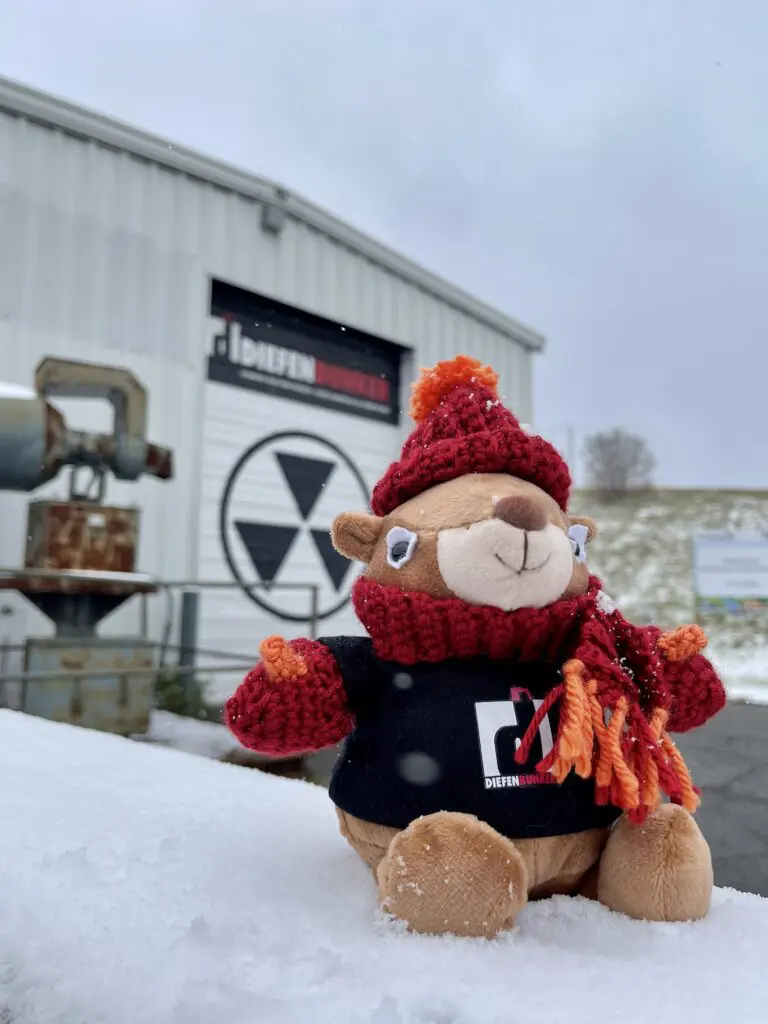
(191, 330)
(419, 326)
(242, 244)
(177, 216)
(148, 220)
(331, 258)
(324, 268)
(50, 269)
(14, 244)
(370, 296)
(524, 361)
(101, 313)
(353, 296)
(456, 339)
(346, 299)
(313, 272)
(425, 328)
(511, 386)
(408, 303)
(116, 295)
(430, 345)
(217, 255)
(504, 366)
(188, 316)
(31, 243)
(519, 362)
(87, 242)
(385, 302)
(441, 349)
(286, 259)
(137, 178)
(324, 275)
(14, 254)
(267, 269)
(160, 223)
(304, 276)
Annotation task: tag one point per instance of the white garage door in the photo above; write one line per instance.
(301, 419)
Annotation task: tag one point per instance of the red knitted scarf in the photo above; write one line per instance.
(614, 701)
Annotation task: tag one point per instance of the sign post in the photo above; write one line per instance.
(730, 573)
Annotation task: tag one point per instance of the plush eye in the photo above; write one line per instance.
(400, 546)
(577, 534)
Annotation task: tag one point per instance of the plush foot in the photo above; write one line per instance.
(658, 871)
(450, 873)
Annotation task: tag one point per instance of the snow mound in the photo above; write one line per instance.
(190, 735)
(8, 390)
(140, 885)
(744, 672)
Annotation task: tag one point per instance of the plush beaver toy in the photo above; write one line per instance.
(507, 730)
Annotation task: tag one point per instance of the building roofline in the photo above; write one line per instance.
(19, 99)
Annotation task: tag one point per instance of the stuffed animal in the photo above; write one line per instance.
(507, 731)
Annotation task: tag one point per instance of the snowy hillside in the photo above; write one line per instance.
(139, 885)
(644, 554)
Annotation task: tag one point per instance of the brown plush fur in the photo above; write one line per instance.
(450, 872)
(457, 503)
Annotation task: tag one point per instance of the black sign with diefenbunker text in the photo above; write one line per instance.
(263, 345)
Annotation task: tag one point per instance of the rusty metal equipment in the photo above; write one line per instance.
(80, 557)
(36, 443)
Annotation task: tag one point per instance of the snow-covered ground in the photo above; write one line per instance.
(140, 885)
(744, 672)
(210, 739)
(193, 736)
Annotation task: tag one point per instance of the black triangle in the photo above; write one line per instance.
(306, 479)
(336, 565)
(267, 545)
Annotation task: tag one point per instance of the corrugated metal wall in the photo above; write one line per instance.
(106, 256)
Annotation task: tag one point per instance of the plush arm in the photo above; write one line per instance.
(293, 702)
(696, 691)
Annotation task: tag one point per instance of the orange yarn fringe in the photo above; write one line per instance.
(626, 773)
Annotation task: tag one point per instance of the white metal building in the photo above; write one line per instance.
(276, 342)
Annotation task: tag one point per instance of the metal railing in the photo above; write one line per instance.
(187, 651)
(127, 670)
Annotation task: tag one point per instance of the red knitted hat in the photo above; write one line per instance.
(462, 428)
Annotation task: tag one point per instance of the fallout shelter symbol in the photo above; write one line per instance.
(275, 518)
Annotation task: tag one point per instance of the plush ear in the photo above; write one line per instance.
(354, 535)
(592, 528)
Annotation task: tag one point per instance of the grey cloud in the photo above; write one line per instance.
(598, 169)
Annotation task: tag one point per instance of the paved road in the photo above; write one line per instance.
(729, 762)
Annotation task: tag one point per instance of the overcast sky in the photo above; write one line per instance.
(598, 170)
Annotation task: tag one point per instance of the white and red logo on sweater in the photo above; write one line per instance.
(500, 728)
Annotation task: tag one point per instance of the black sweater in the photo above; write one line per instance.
(442, 737)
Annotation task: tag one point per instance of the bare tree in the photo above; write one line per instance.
(618, 462)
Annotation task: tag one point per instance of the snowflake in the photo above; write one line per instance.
(605, 603)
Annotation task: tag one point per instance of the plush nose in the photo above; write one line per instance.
(521, 511)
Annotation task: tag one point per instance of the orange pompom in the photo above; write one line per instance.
(434, 384)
